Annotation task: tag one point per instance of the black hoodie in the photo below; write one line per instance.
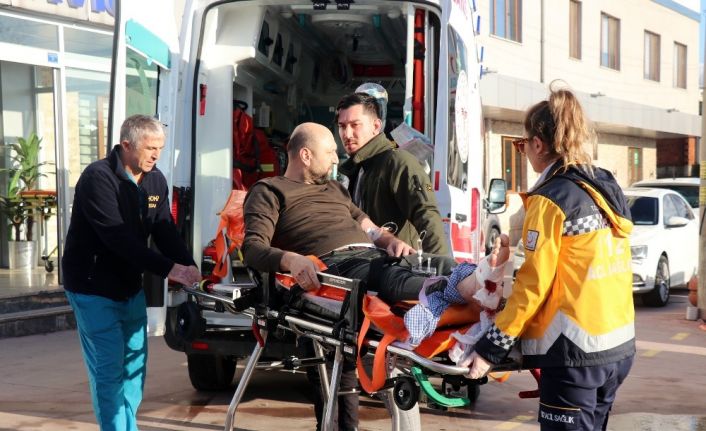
(107, 248)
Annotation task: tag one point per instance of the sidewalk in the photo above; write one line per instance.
(19, 282)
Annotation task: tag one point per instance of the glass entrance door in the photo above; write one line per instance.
(28, 175)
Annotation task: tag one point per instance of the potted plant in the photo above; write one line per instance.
(23, 175)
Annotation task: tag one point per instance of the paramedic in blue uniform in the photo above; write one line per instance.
(119, 204)
(571, 306)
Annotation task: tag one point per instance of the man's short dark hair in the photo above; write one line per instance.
(369, 103)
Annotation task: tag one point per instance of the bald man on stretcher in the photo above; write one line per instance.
(304, 213)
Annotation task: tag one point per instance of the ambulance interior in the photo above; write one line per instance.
(290, 62)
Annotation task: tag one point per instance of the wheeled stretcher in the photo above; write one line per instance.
(333, 321)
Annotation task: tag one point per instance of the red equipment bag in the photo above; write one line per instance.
(231, 231)
(254, 156)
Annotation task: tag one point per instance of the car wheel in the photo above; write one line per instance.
(210, 372)
(659, 295)
(493, 234)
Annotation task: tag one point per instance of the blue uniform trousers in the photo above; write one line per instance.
(579, 398)
(113, 338)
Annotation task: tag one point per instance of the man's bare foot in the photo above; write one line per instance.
(501, 251)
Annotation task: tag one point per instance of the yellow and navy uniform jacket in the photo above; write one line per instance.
(571, 303)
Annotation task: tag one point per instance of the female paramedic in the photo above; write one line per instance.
(571, 304)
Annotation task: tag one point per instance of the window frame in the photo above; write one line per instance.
(635, 170)
(652, 49)
(457, 59)
(512, 177)
(680, 71)
(507, 21)
(575, 29)
(608, 58)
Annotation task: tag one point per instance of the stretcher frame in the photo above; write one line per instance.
(233, 299)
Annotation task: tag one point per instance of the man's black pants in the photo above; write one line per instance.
(394, 281)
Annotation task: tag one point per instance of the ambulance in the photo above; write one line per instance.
(201, 65)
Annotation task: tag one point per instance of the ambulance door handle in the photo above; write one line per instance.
(461, 217)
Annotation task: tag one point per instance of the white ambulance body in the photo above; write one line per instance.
(290, 62)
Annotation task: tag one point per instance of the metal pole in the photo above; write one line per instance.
(702, 209)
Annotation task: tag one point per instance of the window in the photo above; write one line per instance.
(643, 210)
(459, 129)
(88, 44)
(681, 208)
(506, 19)
(514, 166)
(141, 82)
(279, 51)
(28, 33)
(575, 29)
(87, 93)
(610, 42)
(669, 210)
(291, 59)
(634, 165)
(652, 46)
(263, 44)
(679, 65)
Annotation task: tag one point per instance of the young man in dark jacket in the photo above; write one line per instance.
(119, 203)
(390, 185)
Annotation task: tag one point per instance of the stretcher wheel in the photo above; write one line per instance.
(189, 323)
(405, 393)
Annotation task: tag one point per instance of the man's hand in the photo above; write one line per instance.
(394, 246)
(302, 269)
(479, 367)
(397, 247)
(186, 275)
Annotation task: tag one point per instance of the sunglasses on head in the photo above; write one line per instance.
(519, 144)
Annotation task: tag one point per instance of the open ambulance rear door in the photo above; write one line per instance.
(144, 79)
(459, 152)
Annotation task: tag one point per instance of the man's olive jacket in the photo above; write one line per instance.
(395, 188)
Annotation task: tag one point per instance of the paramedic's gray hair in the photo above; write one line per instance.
(137, 127)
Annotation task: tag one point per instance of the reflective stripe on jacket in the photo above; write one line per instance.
(571, 303)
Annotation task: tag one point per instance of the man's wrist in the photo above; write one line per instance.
(374, 233)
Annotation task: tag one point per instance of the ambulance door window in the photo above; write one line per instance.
(459, 112)
(141, 85)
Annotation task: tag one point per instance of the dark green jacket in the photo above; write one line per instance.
(396, 189)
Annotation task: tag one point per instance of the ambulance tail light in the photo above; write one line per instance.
(175, 205)
(199, 345)
(475, 205)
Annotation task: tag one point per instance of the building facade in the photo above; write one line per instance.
(633, 64)
(54, 81)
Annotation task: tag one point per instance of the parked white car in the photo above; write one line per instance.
(687, 186)
(664, 242)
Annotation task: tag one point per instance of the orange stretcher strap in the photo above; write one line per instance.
(376, 311)
(231, 231)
